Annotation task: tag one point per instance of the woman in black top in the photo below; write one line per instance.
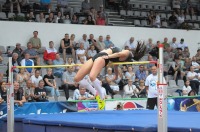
(90, 21)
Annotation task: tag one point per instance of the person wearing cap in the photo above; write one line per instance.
(18, 50)
(130, 90)
(81, 94)
(182, 44)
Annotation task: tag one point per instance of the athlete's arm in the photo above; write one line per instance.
(124, 53)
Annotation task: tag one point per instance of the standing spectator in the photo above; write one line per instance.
(100, 44)
(140, 74)
(130, 90)
(41, 18)
(182, 44)
(173, 44)
(165, 43)
(131, 44)
(90, 21)
(81, 94)
(81, 53)
(50, 19)
(40, 92)
(33, 54)
(50, 53)
(130, 73)
(63, 6)
(85, 6)
(74, 19)
(151, 87)
(58, 71)
(29, 91)
(50, 83)
(19, 97)
(186, 88)
(3, 93)
(22, 77)
(91, 52)
(192, 76)
(68, 81)
(173, 20)
(108, 43)
(28, 62)
(36, 42)
(36, 78)
(19, 51)
(85, 42)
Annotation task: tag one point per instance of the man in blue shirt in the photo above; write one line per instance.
(58, 71)
(140, 73)
(108, 43)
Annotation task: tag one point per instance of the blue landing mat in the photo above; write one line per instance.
(137, 120)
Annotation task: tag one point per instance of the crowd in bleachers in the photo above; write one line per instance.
(37, 84)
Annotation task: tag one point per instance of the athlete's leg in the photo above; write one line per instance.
(84, 82)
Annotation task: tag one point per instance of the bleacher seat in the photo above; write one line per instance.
(117, 96)
(156, 7)
(175, 94)
(3, 15)
(164, 24)
(149, 6)
(136, 5)
(76, 9)
(122, 12)
(144, 23)
(5, 60)
(129, 13)
(162, 8)
(21, 14)
(11, 48)
(137, 22)
(194, 18)
(196, 26)
(187, 17)
(191, 25)
(172, 84)
(11, 15)
(136, 13)
(143, 6)
(163, 16)
(180, 83)
(168, 8)
(198, 18)
(144, 14)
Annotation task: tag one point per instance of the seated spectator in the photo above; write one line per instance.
(85, 42)
(41, 18)
(74, 19)
(131, 44)
(63, 6)
(36, 78)
(108, 43)
(90, 21)
(173, 20)
(66, 47)
(192, 93)
(195, 64)
(102, 12)
(80, 53)
(177, 66)
(149, 45)
(100, 44)
(151, 17)
(110, 79)
(58, 71)
(156, 20)
(3, 93)
(28, 62)
(29, 91)
(30, 17)
(70, 61)
(181, 19)
(100, 20)
(50, 19)
(186, 53)
(182, 44)
(187, 64)
(91, 40)
(165, 43)
(40, 93)
(19, 51)
(19, 97)
(66, 19)
(91, 52)
(186, 88)
(130, 73)
(142, 93)
(173, 44)
(68, 81)
(50, 83)
(148, 66)
(140, 74)
(58, 18)
(36, 42)
(168, 55)
(198, 56)
(154, 51)
(22, 77)
(85, 6)
(45, 5)
(179, 52)
(15, 62)
(120, 79)
(81, 94)
(192, 76)
(93, 13)
(130, 90)
(50, 53)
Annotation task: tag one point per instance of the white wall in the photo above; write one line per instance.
(13, 32)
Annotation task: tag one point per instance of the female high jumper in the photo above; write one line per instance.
(94, 66)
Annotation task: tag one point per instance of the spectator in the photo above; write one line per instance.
(182, 44)
(58, 71)
(93, 13)
(101, 12)
(142, 90)
(74, 19)
(85, 6)
(30, 17)
(36, 42)
(173, 20)
(68, 81)
(90, 21)
(85, 42)
(186, 88)
(187, 65)
(41, 18)
(173, 44)
(108, 43)
(15, 62)
(192, 76)
(198, 56)
(120, 79)
(186, 53)
(176, 5)
(165, 43)
(19, 51)
(177, 66)
(151, 17)
(156, 20)
(3, 93)
(130, 90)
(168, 55)
(81, 53)
(149, 66)
(130, 74)
(179, 52)
(33, 54)
(125, 4)
(45, 5)
(154, 51)
(58, 18)
(140, 74)
(100, 44)
(181, 19)
(66, 20)
(19, 3)
(50, 83)
(66, 47)
(36, 78)
(91, 40)
(91, 52)
(50, 18)
(29, 91)
(63, 6)
(131, 44)
(195, 64)
(198, 8)
(22, 77)
(110, 79)
(19, 98)
(149, 45)
(81, 94)
(40, 92)
(100, 20)
(50, 53)
(70, 62)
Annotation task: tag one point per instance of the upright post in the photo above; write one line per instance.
(10, 99)
(162, 94)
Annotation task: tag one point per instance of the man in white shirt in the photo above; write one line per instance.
(85, 42)
(92, 52)
(130, 90)
(80, 53)
(131, 44)
(182, 44)
(193, 78)
(36, 78)
(81, 94)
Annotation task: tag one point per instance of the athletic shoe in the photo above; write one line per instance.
(101, 103)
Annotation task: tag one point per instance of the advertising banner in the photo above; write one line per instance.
(87, 106)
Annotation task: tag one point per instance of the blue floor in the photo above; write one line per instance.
(137, 120)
